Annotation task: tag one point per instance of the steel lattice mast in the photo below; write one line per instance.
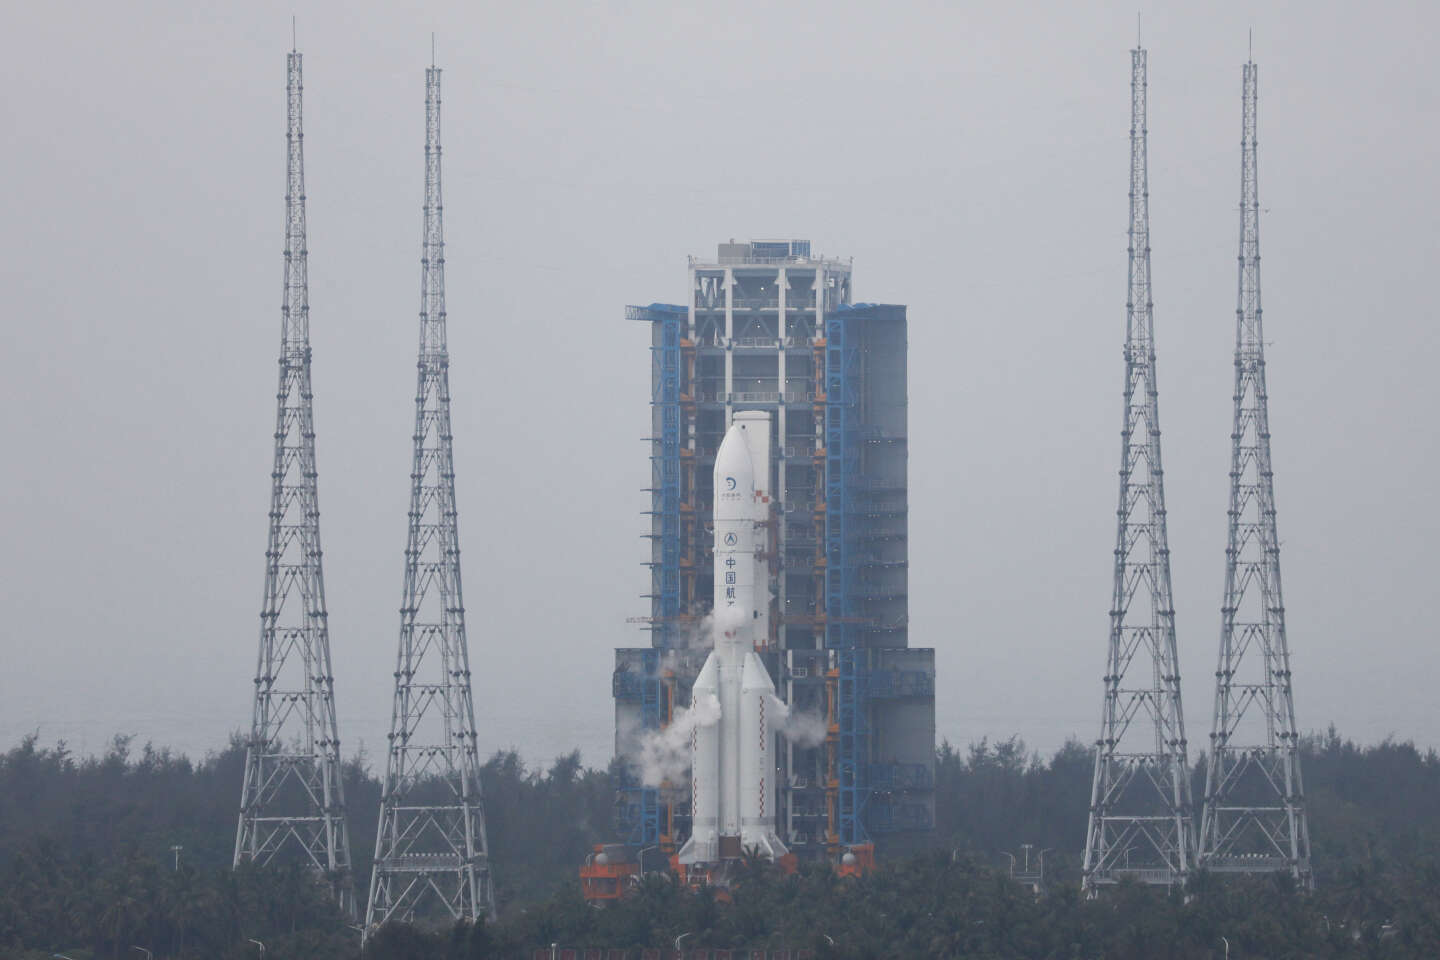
(431, 852)
(1140, 805)
(292, 803)
(1254, 813)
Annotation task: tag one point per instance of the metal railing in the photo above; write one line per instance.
(702, 262)
(901, 684)
(901, 776)
(717, 304)
(755, 396)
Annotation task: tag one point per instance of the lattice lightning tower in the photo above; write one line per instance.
(1140, 804)
(292, 802)
(431, 853)
(1254, 814)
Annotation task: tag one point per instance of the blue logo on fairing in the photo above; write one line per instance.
(729, 483)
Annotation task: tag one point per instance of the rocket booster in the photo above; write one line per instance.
(733, 761)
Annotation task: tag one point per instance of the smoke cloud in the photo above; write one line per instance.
(725, 620)
(699, 635)
(801, 729)
(665, 754)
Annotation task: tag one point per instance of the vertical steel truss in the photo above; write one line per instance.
(665, 468)
(1254, 813)
(638, 807)
(431, 854)
(1140, 805)
(292, 802)
(842, 463)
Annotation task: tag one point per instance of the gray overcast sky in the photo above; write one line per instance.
(970, 157)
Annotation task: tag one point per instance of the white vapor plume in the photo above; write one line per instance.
(725, 620)
(665, 754)
(690, 639)
(697, 635)
(801, 729)
(661, 755)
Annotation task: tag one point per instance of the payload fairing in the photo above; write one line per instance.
(733, 759)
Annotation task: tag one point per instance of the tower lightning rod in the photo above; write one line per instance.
(431, 851)
(292, 801)
(1140, 822)
(1254, 817)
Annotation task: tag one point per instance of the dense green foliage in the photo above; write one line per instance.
(88, 869)
(1374, 808)
(540, 824)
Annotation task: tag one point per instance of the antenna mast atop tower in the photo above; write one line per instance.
(292, 802)
(431, 843)
(1254, 815)
(1140, 805)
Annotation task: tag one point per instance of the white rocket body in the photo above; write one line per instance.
(733, 760)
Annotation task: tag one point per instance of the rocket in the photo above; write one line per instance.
(733, 760)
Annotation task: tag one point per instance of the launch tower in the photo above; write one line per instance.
(1254, 813)
(292, 803)
(431, 852)
(1141, 817)
(770, 327)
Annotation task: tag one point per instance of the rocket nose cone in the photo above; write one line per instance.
(734, 471)
(708, 681)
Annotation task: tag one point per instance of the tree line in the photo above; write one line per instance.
(130, 852)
